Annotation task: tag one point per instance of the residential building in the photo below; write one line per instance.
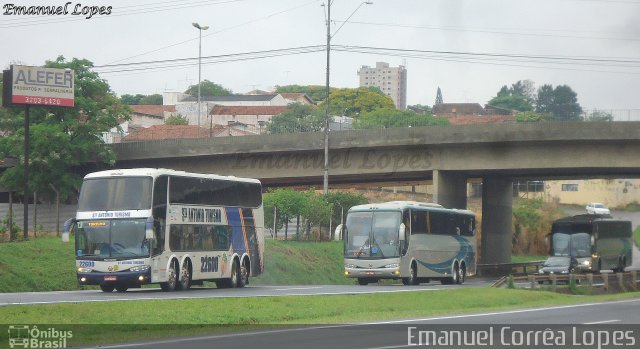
(142, 116)
(252, 116)
(187, 106)
(392, 81)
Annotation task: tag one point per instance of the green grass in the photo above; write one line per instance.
(213, 315)
(48, 264)
(41, 264)
(303, 263)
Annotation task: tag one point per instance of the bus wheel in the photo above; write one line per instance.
(185, 275)
(243, 278)
(363, 281)
(413, 277)
(234, 275)
(462, 273)
(122, 289)
(172, 282)
(106, 288)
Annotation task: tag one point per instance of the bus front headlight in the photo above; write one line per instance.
(140, 268)
(587, 262)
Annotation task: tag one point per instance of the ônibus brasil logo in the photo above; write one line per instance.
(24, 336)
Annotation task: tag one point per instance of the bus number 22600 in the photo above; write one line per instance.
(209, 264)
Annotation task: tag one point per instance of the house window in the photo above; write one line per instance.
(570, 187)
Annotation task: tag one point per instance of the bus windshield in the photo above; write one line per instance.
(115, 194)
(117, 238)
(372, 235)
(571, 240)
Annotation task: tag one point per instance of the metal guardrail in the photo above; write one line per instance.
(592, 280)
(521, 268)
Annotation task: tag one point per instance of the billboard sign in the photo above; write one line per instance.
(42, 86)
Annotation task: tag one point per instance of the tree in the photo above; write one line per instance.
(299, 118)
(288, 203)
(420, 109)
(518, 103)
(316, 210)
(531, 116)
(315, 92)
(565, 104)
(599, 116)
(561, 102)
(131, 99)
(208, 88)
(520, 96)
(355, 101)
(544, 101)
(386, 118)
(62, 138)
(155, 99)
(176, 120)
(439, 99)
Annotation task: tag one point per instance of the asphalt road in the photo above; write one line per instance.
(203, 292)
(606, 316)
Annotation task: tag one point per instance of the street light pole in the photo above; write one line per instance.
(200, 29)
(325, 179)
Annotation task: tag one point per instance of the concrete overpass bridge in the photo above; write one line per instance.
(447, 155)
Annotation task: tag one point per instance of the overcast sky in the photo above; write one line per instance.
(601, 36)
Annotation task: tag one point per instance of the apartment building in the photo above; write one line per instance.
(392, 81)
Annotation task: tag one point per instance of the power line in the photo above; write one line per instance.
(219, 31)
(489, 31)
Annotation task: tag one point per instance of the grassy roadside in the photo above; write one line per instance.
(148, 319)
(48, 264)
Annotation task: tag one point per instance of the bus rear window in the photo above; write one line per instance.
(115, 194)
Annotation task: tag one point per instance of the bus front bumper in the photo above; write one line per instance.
(379, 273)
(115, 278)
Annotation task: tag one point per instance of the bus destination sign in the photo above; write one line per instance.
(42, 86)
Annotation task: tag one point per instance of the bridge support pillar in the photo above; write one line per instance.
(450, 189)
(497, 197)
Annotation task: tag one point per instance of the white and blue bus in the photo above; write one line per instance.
(412, 241)
(142, 226)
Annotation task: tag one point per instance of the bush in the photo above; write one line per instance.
(13, 232)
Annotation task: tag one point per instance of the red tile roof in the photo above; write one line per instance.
(166, 132)
(479, 119)
(154, 110)
(247, 110)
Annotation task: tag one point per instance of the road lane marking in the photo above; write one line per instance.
(502, 312)
(296, 288)
(600, 322)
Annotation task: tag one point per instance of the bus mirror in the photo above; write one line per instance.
(337, 234)
(148, 231)
(402, 232)
(69, 224)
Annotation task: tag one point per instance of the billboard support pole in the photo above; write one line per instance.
(26, 173)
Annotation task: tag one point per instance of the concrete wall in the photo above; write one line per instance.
(611, 192)
(46, 215)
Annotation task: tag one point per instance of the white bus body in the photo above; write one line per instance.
(141, 226)
(412, 241)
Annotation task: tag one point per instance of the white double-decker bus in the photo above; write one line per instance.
(141, 226)
(412, 241)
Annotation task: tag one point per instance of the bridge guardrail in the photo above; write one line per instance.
(605, 280)
(521, 268)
